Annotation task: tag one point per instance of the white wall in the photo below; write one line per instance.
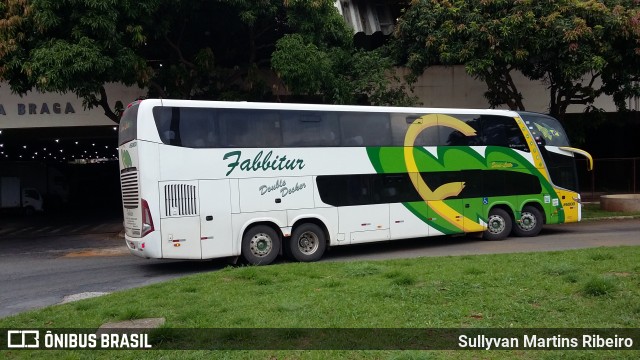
(441, 86)
(52, 109)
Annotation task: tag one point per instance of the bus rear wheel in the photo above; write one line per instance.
(307, 243)
(499, 225)
(530, 222)
(260, 245)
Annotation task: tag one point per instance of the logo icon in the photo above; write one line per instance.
(23, 339)
(125, 157)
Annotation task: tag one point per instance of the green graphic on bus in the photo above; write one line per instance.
(500, 176)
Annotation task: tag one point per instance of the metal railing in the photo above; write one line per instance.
(609, 176)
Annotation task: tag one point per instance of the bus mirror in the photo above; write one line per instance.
(581, 152)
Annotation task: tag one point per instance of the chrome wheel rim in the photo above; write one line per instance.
(261, 244)
(496, 224)
(527, 221)
(308, 243)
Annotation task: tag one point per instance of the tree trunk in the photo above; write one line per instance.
(104, 103)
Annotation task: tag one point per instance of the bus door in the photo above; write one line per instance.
(474, 210)
(474, 201)
(215, 218)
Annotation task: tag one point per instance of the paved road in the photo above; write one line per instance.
(552, 238)
(12, 226)
(42, 268)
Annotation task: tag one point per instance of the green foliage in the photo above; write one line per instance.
(593, 211)
(219, 50)
(77, 46)
(320, 60)
(302, 65)
(599, 286)
(580, 49)
(520, 290)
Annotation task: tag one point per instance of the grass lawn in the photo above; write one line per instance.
(592, 211)
(591, 288)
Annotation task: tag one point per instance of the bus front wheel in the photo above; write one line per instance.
(307, 243)
(498, 225)
(530, 222)
(260, 245)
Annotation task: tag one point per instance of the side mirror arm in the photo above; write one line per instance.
(581, 152)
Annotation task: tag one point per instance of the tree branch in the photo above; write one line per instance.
(178, 52)
(159, 88)
(104, 103)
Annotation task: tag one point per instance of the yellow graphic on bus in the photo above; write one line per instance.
(435, 197)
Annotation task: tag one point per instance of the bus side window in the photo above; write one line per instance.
(163, 117)
(400, 123)
(452, 137)
(198, 127)
(309, 129)
(252, 129)
(365, 129)
(398, 188)
(334, 189)
(503, 131)
(359, 192)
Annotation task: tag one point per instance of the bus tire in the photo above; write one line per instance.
(307, 243)
(260, 245)
(530, 223)
(499, 225)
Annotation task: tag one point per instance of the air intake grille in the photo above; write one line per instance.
(130, 190)
(180, 200)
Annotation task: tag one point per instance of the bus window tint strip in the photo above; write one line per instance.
(367, 189)
(235, 128)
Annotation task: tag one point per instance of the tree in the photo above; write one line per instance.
(227, 50)
(76, 46)
(216, 49)
(320, 59)
(581, 49)
(213, 49)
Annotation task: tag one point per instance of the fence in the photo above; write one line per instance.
(609, 176)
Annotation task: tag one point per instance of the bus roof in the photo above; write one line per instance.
(318, 107)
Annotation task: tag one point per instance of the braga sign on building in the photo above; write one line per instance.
(37, 109)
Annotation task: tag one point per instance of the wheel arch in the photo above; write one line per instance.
(251, 224)
(504, 206)
(316, 221)
(538, 206)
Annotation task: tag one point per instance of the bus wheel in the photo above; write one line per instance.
(530, 222)
(498, 225)
(307, 243)
(260, 245)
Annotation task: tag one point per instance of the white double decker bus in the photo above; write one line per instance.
(207, 179)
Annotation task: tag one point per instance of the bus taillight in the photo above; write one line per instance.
(147, 221)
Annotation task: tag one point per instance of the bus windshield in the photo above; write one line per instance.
(545, 129)
(550, 136)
